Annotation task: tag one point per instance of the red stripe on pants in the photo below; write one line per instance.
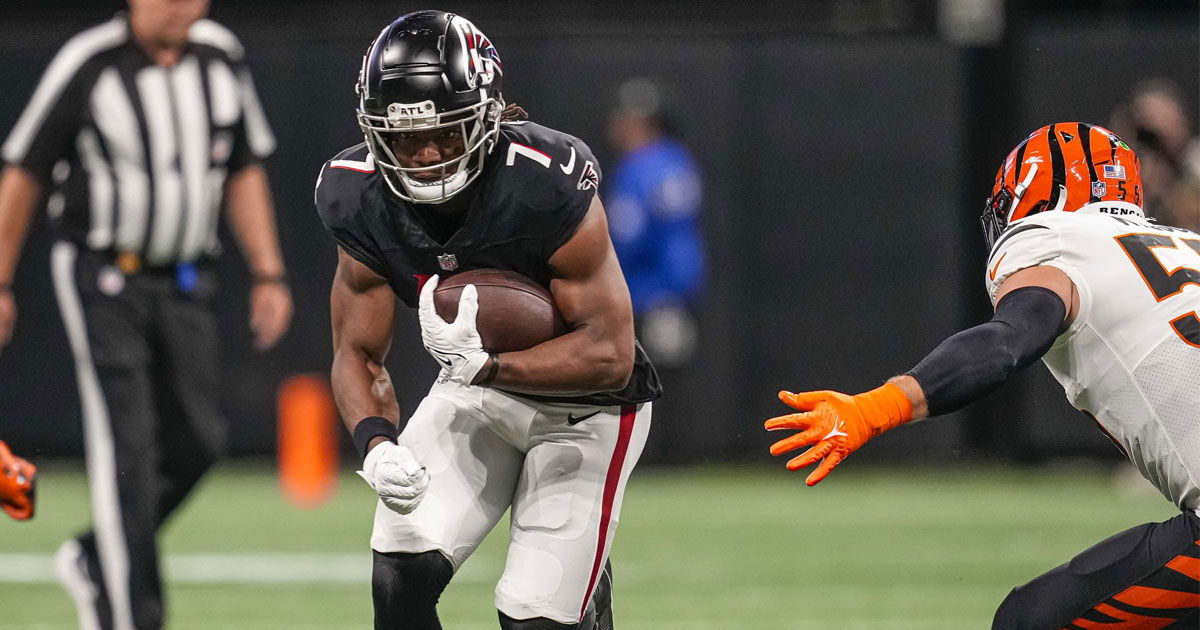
(611, 481)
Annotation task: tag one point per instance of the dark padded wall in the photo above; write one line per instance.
(835, 173)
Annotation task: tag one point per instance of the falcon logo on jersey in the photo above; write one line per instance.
(1114, 171)
(1099, 189)
(590, 178)
(448, 262)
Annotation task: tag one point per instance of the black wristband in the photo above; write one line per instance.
(492, 372)
(5, 288)
(370, 428)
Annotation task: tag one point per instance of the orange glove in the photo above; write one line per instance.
(837, 424)
(16, 484)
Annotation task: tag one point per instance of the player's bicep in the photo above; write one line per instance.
(362, 309)
(1047, 277)
(587, 282)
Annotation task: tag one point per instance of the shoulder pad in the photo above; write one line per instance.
(563, 161)
(341, 182)
(208, 32)
(1026, 243)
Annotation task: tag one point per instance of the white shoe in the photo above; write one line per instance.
(70, 566)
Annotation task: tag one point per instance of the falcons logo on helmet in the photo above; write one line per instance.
(481, 59)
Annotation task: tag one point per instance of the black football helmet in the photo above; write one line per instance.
(430, 70)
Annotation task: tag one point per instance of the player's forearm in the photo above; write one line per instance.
(252, 221)
(18, 194)
(978, 360)
(362, 388)
(573, 364)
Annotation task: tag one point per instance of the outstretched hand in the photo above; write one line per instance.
(17, 484)
(836, 425)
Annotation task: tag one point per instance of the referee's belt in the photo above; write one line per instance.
(132, 264)
(184, 274)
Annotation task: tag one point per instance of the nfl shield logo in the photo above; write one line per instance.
(448, 262)
(1098, 189)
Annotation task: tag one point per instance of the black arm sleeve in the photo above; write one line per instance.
(978, 360)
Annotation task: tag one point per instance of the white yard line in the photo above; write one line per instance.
(234, 568)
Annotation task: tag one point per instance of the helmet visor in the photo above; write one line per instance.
(995, 216)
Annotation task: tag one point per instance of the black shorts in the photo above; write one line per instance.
(1144, 578)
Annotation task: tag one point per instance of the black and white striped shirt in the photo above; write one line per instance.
(138, 153)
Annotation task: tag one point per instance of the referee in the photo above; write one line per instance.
(142, 129)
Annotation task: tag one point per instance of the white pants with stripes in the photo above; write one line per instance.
(563, 476)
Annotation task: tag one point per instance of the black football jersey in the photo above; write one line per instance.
(536, 186)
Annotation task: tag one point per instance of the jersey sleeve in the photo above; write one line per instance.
(1029, 243)
(573, 193)
(336, 204)
(253, 140)
(235, 96)
(50, 121)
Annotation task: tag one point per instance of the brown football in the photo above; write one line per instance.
(515, 313)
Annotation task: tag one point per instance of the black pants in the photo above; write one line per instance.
(1146, 577)
(146, 362)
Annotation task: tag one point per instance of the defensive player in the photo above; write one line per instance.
(451, 179)
(1109, 301)
(16, 484)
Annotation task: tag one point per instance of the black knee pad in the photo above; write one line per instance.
(541, 623)
(405, 588)
(1008, 615)
(598, 615)
(602, 599)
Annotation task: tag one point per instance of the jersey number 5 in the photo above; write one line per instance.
(1163, 283)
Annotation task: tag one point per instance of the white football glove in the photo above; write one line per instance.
(456, 347)
(393, 472)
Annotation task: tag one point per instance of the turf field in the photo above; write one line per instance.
(720, 547)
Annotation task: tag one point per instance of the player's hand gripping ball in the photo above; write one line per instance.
(393, 472)
(455, 345)
(515, 312)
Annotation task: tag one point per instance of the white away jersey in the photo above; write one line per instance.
(1131, 358)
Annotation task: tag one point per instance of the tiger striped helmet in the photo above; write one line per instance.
(1064, 166)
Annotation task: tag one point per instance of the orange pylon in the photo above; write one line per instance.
(307, 440)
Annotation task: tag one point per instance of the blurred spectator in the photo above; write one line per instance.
(653, 204)
(1155, 121)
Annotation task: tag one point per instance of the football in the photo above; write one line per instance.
(515, 313)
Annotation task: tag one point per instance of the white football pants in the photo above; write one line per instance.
(562, 468)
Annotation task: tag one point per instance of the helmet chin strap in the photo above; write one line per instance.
(435, 192)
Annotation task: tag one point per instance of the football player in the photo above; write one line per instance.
(16, 484)
(450, 178)
(1109, 301)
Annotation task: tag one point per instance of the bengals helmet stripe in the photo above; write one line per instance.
(1058, 177)
(1085, 143)
(1058, 168)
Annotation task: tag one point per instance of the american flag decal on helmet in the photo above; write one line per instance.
(1114, 171)
(590, 178)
